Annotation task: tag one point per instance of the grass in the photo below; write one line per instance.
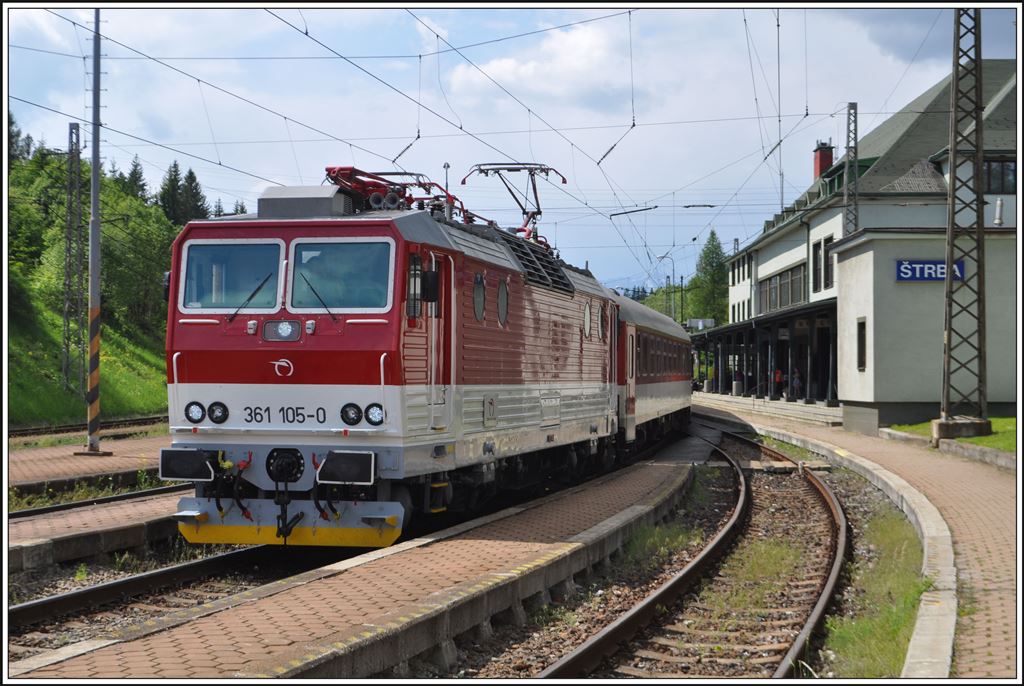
(870, 640)
(1003, 437)
(133, 379)
(83, 490)
(755, 569)
(653, 545)
(24, 442)
(788, 449)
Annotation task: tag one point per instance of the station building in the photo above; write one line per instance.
(859, 320)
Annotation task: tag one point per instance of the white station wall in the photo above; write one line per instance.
(905, 321)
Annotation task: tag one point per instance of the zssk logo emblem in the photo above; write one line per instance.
(283, 367)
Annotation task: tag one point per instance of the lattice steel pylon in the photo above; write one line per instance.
(850, 172)
(963, 372)
(73, 360)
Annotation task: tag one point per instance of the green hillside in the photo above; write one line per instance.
(135, 244)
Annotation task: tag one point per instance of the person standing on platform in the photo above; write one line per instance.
(797, 385)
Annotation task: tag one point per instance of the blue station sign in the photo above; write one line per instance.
(927, 270)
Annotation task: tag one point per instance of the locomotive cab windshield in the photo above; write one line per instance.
(351, 275)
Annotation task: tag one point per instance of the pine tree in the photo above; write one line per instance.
(170, 196)
(19, 147)
(218, 209)
(135, 182)
(710, 296)
(240, 207)
(193, 199)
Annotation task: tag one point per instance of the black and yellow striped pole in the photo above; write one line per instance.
(93, 394)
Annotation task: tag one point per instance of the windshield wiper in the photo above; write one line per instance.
(333, 318)
(251, 296)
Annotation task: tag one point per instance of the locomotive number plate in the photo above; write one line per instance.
(285, 415)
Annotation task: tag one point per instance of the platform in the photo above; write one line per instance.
(362, 616)
(87, 531)
(57, 467)
(815, 413)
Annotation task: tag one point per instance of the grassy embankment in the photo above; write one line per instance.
(132, 376)
(1004, 433)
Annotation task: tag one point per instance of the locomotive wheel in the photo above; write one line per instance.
(400, 493)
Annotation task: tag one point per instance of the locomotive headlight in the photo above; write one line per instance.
(195, 412)
(281, 330)
(218, 412)
(375, 414)
(351, 414)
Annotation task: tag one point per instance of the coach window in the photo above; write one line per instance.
(602, 314)
(632, 356)
(502, 302)
(586, 319)
(479, 296)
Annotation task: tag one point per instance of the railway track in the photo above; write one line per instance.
(732, 619)
(113, 425)
(62, 507)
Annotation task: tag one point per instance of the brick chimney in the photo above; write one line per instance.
(822, 157)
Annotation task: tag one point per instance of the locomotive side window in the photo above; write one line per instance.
(413, 287)
(222, 275)
(479, 296)
(352, 275)
(502, 302)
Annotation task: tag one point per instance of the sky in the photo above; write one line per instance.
(252, 96)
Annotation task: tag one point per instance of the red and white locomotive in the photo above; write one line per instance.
(352, 355)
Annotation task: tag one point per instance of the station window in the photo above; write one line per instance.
(826, 255)
(862, 341)
(773, 293)
(999, 176)
(784, 285)
(797, 285)
(816, 262)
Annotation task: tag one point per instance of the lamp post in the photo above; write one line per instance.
(660, 258)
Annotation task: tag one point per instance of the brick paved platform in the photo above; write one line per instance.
(30, 466)
(375, 611)
(979, 503)
(87, 531)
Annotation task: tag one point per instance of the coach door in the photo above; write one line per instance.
(629, 413)
(441, 340)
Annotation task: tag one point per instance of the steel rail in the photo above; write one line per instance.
(76, 428)
(839, 552)
(103, 500)
(43, 609)
(607, 641)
